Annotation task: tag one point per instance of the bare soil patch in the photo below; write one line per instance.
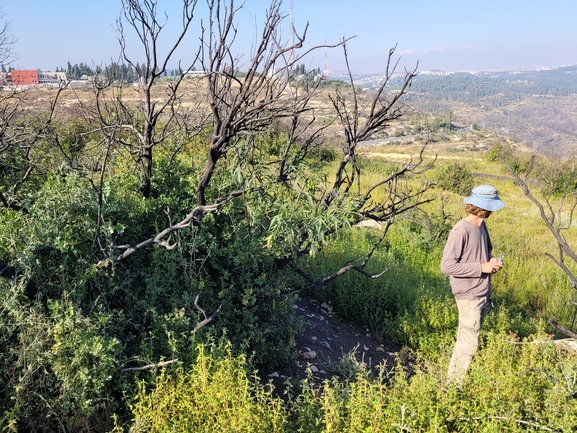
(330, 347)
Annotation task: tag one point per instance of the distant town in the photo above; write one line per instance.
(82, 75)
(31, 77)
(24, 78)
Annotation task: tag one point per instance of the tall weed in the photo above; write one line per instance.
(510, 387)
(215, 394)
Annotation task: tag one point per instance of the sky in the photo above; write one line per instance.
(444, 35)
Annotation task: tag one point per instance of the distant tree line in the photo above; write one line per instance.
(115, 71)
(313, 77)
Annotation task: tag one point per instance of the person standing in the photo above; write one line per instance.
(468, 261)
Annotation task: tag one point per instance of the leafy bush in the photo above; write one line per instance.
(506, 155)
(455, 177)
(427, 230)
(215, 394)
(91, 320)
(430, 328)
(58, 365)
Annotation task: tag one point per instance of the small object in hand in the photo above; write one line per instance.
(500, 258)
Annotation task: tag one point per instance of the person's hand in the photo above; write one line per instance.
(492, 266)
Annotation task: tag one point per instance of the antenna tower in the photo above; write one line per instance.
(292, 56)
(326, 70)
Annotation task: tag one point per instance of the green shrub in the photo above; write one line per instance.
(455, 177)
(512, 385)
(511, 159)
(214, 394)
(58, 366)
(429, 328)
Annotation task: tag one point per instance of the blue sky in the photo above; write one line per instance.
(443, 34)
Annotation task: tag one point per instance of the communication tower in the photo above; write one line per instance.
(326, 69)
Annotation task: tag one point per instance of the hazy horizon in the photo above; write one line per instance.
(447, 35)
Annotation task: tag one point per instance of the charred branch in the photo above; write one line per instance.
(359, 123)
(207, 319)
(160, 238)
(7, 42)
(248, 105)
(312, 284)
(560, 328)
(552, 215)
(148, 23)
(552, 220)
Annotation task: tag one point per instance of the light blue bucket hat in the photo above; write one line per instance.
(485, 197)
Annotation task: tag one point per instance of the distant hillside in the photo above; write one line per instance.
(538, 108)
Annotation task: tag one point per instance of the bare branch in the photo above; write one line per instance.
(196, 214)
(7, 42)
(553, 217)
(317, 284)
(548, 218)
(244, 106)
(376, 116)
(148, 367)
(18, 141)
(207, 319)
(144, 18)
(560, 328)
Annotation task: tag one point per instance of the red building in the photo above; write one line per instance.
(24, 77)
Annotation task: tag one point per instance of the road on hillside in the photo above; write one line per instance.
(387, 140)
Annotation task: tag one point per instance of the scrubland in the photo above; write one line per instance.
(116, 348)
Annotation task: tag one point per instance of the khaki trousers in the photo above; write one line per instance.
(472, 314)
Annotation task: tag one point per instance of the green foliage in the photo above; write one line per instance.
(506, 155)
(427, 230)
(323, 155)
(455, 177)
(74, 72)
(470, 88)
(495, 152)
(430, 327)
(439, 122)
(58, 364)
(97, 319)
(62, 354)
(495, 398)
(557, 177)
(375, 303)
(512, 385)
(215, 394)
(74, 136)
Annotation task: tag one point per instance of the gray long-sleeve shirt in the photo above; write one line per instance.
(467, 247)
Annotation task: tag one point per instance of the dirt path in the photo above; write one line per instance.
(329, 347)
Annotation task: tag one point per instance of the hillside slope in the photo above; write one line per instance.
(537, 108)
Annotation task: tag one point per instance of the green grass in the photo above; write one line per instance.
(393, 304)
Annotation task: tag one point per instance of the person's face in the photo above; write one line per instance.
(488, 214)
